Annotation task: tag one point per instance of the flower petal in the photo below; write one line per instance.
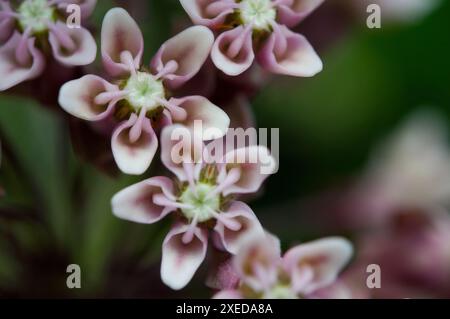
(12, 72)
(232, 51)
(135, 203)
(7, 21)
(188, 50)
(291, 12)
(257, 260)
(208, 13)
(228, 294)
(286, 52)
(84, 48)
(134, 157)
(77, 97)
(243, 215)
(180, 261)
(255, 164)
(120, 33)
(179, 146)
(324, 257)
(214, 121)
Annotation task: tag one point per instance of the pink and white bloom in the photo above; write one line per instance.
(258, 29)
(202, 198)
(303, 271)
(412, 251)
(408, 171)
(412, 168)
(139, 96)
(34, 27)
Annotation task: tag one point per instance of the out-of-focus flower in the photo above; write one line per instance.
(140, 97)
(201, 196)
(303, 271)
(37, 27)
(413, 254)
(411, 170)
(408, 171)
(258, 29)
(400, 10)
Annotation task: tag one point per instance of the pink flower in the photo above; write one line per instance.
(140, 96)
(27, 29)
(303, 271)
(201, 196)
(412, 251)
(410, 170)
(258, 29)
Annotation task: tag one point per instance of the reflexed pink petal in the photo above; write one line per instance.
(232, 51)
(87, 7)
(178, 146)
(77, 97)
(324, 257)
(8, 26)
(187, 51)
(257, 260)
(84, 49)
(291, 12)
(286, 52)
(120, 33)
(213, 119)
(7, 22)
(13, 72)
(134, 157)
(135, 203)
(255, 164)
(241, 214)
(208, 13)
(228, 294)
(180, 261)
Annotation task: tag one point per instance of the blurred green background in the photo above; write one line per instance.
(56, 208)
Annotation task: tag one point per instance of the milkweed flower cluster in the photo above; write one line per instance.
(300, 273)
(202, 196)
(138, 96)
(258, 29)
(34, 29)
(204, 193)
